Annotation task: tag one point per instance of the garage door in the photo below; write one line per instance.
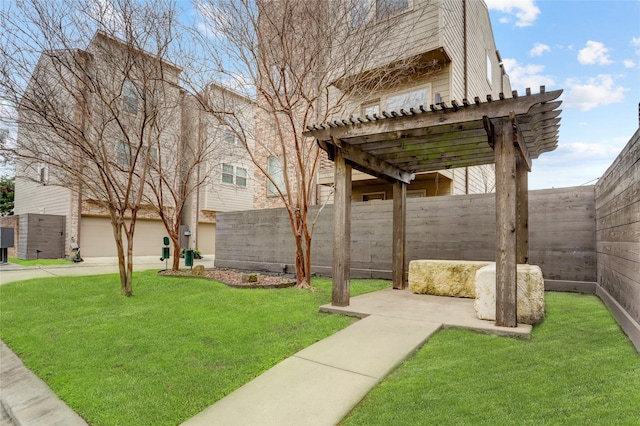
(207, 238)
(96, 237)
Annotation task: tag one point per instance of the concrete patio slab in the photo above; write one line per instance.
(449, 311)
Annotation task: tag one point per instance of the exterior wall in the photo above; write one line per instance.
(41, 237)
(12, 222)
(442, 25)
(562, 235)
(36, 198)
(618, 234)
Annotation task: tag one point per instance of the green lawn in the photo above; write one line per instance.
(39, 262)
(578, 369)
(164, 355)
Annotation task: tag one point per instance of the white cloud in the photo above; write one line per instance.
(597, 91)
(525, 11)
(628, 63)
(594, 53)
(635, 42)
(538, 49)
(107, 14)
(212, 21)
(523, 76)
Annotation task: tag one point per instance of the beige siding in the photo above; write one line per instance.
(207, 238)
(481, 45)
(474, 180)
(453, 40)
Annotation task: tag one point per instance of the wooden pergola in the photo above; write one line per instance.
(396, 145)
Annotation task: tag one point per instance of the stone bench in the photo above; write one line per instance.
(454, 278)
(530, 293)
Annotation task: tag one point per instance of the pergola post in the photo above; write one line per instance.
(506, 284)
(341, 231)
(399, 234)
(522, 227)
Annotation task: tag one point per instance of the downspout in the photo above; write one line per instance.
(197, 221)
(466, 87)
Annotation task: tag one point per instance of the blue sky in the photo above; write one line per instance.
(591, 49)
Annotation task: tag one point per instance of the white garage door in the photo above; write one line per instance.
(96, 237)
(207, 238)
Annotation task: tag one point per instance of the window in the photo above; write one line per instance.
(123, 154)
(387, 8)
(230, 137)
(411, 99)
(130, 96)
(489, 69)
(359, 13)
(370, 109)
(276, 171)
(363, 11)
(43, 173)
(227, 173)
(416, 193)
(374, 196)
(237, 175)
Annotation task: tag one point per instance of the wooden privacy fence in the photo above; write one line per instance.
(561, 235)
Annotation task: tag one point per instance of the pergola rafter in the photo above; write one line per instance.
(395, 145)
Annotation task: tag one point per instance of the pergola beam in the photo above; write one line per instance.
(401, 123)
(365, 162)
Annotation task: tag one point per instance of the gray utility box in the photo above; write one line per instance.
(6, 241)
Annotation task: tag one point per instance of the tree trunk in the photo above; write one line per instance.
(175, 262)
(123, 267)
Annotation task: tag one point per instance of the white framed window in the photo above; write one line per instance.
(388, 8)
(230, 137)
(489, 69)
(234, 175)
(409, 99)
(370, 108)
(275, 169)
(364, 11)
(374, 196)
(130, 97)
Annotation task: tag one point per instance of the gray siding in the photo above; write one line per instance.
(562, 237)
(618, 229)
(41, 236)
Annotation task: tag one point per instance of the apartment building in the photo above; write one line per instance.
(432, 52)
(127, 109)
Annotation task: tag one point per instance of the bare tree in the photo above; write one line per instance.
(305, 62)
(91, 117)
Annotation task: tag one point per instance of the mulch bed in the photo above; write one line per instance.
(237, 279)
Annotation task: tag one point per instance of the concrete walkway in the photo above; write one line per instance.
(322, 383)
(91, 266)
